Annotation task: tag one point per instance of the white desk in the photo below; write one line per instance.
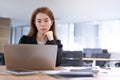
(113, 74)
(99, 59)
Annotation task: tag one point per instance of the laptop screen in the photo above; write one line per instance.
(29, 56)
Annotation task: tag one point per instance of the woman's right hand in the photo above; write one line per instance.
(49, 35)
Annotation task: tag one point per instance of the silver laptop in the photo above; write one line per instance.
(29, 56)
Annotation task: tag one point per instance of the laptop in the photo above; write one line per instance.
(30, 56)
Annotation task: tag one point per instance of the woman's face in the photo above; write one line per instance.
(43, 23)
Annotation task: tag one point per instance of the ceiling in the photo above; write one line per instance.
(64, 10)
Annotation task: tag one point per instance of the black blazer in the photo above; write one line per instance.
(32, 40)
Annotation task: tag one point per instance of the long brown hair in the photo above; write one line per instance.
(47, 11)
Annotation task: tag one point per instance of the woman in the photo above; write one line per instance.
(42, 30)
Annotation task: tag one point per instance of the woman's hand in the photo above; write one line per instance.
(49, 35)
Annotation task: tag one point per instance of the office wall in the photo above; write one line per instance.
(18, 32)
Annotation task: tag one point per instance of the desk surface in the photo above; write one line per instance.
(97, 59)
(101, 59)
(41, 76)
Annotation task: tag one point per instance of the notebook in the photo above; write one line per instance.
(75, 72)
(30, 56)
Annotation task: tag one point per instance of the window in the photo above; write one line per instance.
(76, 36)
(109, 35)
(98, 34)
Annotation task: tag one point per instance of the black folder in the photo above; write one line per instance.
(73, 74)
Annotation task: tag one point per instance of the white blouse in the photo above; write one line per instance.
(39, 42)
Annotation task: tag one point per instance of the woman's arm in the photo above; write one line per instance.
(58, 43)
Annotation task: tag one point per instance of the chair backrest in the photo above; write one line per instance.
(105, 51)
(97, 50)
(103, 55)
(88, 52)
(94, 55)
(71, 58)
(2, 61)
(100, 55)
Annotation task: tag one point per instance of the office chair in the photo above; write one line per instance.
(71, 58)
(89, 53)
(105, 51)
(2, 62)
(117, 64)
(101, 55)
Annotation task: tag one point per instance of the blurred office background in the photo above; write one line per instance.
(76, 36)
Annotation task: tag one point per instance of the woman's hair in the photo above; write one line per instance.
(47, 11)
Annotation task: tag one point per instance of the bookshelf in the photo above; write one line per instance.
(5, 30)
